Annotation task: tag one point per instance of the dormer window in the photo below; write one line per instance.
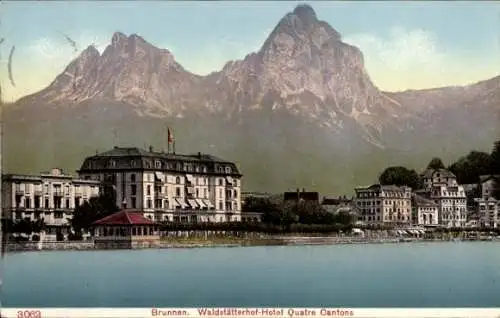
(178, 166)
(112, 163)
(228, 169)
(204, 169)
(157, 164)
(197, 169)
(133, 163)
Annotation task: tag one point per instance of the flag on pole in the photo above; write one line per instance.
(170, 136)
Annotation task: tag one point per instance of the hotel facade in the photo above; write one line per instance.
(441, 187)
(50, 196)
(384, 204)
(167, 186)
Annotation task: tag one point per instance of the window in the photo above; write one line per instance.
(221, 206)
(132, 177)
(112, 163)
(58, 215)
(27, 203)
(150, 203)
(133, 189)
(157, 164)
(197, 193)
(46, 203)
(221, 182)
(77, 202)
(158, 203)
(236, 194)
(134, 203)
(67, 204)
(178, 180)
(148, 190)
(178, 192)
(205, 193)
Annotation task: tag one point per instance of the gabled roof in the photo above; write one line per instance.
(306, 196)
(138, 152)
(125, 218)
(421, 201)
(429, 173)
(380, 187)
(488, 177)
(335, 201)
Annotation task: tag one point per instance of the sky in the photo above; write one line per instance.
(406, 45)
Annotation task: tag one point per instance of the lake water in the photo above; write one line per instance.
(458, 274)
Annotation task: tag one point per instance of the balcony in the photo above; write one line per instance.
(57, 222)
(57, 193)
(191, 211)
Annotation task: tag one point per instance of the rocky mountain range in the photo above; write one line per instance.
(300, 112)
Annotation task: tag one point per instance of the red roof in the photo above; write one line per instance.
(124, 218)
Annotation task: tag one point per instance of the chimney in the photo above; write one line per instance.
(199, 155)
(303, 190)
(150, 148)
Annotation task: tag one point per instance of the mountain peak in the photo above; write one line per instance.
(305, 13)
(90, 51)
(118, 37)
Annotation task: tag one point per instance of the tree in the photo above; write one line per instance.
(24, 226)
(92, 210)
(435, 164)
(38, 225)
(495, 158)
(468, 168)
(400, 176)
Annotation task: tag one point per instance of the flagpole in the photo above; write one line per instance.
(168, 140)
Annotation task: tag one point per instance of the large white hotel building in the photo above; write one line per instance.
(169, 187)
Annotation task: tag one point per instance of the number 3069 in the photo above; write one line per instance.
(29, 314)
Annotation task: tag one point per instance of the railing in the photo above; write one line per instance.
(58, 193)
(19, 192)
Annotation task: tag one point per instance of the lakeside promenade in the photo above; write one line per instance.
(275, 240)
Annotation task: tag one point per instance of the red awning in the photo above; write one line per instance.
(125, 218)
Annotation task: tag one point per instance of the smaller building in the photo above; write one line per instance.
(487, 212)
(49, 196)
(337, 205)
(126, 229)
(251, 217)
(384, 204)
(487, 184)
(433, 177)
(426, 212)
(301, 196)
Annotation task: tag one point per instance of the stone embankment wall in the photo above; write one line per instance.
(33, 246)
